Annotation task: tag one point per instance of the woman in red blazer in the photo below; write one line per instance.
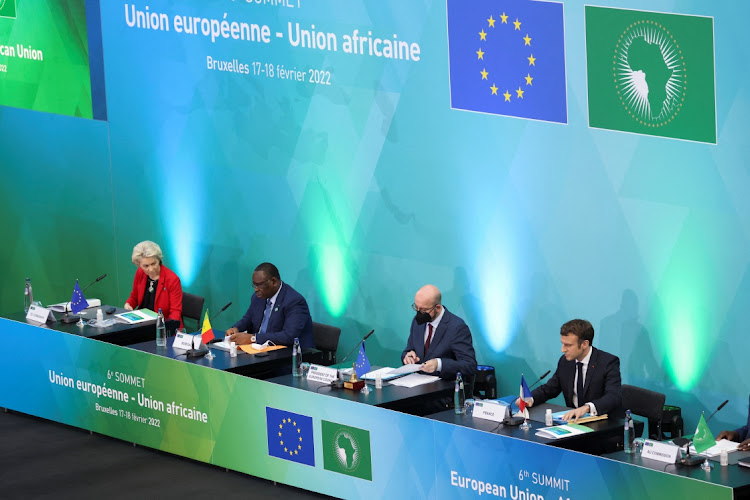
(155, 286)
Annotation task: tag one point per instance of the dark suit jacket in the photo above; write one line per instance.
(290, 318)
(602, 385)
(743, 431)
(451, 342)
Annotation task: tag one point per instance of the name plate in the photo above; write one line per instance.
(39, 314)
(322, 374)
(663, 452)
(490, 410)
(183, 341)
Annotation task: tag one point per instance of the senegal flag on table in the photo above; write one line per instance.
(207, 333)
(651, 73)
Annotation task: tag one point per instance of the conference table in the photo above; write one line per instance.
(413, 400)
(732, 476)
(119, 334)
(606, 434)
(263, 366)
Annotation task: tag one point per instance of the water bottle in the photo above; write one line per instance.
(161, 330)
(296, 359)
(629, 433)
(549, 420)
(458, 395)
(28, 296)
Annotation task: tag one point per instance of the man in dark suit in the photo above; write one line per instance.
(277, 313)
(588, 377)
(440, 340)
(742, 435)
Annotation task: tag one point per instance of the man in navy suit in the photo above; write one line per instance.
(277, 313)
(440, 340)
(588, 377)
(742, 435)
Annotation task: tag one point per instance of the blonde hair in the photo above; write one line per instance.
(144, 250)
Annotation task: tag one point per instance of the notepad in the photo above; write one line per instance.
(563, 431)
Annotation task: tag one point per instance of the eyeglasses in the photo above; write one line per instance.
(414, 306)
(258, 286)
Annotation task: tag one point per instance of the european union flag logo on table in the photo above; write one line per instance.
(362, 365)
(508, 58)
(78, 302)
(290, 436)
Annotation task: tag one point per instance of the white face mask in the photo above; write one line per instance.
(260, 347)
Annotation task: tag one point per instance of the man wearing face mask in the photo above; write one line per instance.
(439, 339)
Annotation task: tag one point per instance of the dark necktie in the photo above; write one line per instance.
(579, 385)
(429, 338)
(266, 315)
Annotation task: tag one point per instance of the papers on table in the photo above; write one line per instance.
(406, 369)
(414, 380)
(557, 417)
(386, 373)
(563, 431)
(137, 316)
(63, 307)
(716, 449)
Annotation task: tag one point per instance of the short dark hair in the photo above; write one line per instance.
(268, 268)
(580, 328)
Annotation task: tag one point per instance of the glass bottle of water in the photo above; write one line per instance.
(161, 330)
(28, 296)
(296, 359)
(629, 433)
(458, 395)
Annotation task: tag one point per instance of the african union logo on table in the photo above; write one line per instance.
(346, 450)
(508, 58)
(8, 8)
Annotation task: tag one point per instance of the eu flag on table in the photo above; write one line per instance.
(290, 436)
(207, 333)
(508, 58)
(524, 398)
(78, 302)
(362, 365)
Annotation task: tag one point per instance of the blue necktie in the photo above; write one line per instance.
(266, 315)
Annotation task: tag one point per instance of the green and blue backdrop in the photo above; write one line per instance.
(591, 163)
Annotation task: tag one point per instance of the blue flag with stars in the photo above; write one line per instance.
(362, 365)
(78, 302)
(507, 57)
(290, 436)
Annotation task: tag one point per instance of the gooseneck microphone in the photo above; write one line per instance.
(338, 383)
(67, 318)
(197, 353)
(680, 441)
(540, 379)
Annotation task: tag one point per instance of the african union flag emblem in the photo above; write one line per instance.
(290, 436)
(8, 8)
(508, 58)
(651, 73)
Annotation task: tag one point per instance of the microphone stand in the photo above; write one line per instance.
(338, 383)
(197, 353)
(510, 419)
(691, 460)
(67, 318)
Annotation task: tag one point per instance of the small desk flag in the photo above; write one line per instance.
(362, 365)
(524, 398)
(207, 333)
(78, 302)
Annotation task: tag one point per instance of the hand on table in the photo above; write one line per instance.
(127, 306)
(574, 415)
(411, 358)
(240, 338)
(429, 366)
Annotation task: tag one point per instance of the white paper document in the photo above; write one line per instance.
(715, 450)
(403, 370)
(65, 306)
(414, 380)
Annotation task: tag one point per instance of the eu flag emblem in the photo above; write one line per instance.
(362, 365)
(508, 58)
(290, 436)
(78, 302)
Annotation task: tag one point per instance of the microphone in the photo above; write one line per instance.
(540, 379)
(67, 318)
(338, 383)
(680, 441)
(214, 317)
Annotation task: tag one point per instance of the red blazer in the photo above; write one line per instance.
(168, 293)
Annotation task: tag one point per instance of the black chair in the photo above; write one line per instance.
(326, 339)
(192, 307)
(645, 403)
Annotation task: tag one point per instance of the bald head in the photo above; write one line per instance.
(427, 297)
